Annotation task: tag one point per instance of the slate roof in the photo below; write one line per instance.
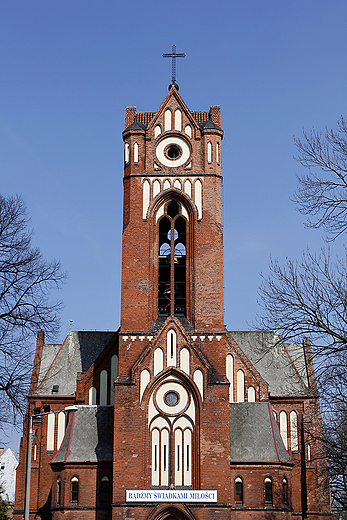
(275, 362)
(209, 124)
(60, 363)
(89, 436)
(254, 435)
(136, 125)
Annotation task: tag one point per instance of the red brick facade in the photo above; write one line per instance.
(194, 407)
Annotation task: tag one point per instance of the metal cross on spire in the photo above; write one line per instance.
(174, 55)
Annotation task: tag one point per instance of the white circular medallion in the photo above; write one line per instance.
(172, 151)
(172, 398)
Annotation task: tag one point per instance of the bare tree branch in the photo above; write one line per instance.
(322, 194)
(26, 281)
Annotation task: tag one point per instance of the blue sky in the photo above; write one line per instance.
(68, 69)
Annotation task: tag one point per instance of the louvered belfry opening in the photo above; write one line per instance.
(172, 284)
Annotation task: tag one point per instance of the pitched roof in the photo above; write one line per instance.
(272, 360)
(254, 435)
(89, 436)
(60, 363)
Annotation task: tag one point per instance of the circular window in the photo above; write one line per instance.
(173, 152)
(171, 398)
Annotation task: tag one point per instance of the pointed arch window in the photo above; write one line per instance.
(240, 386)
(167, 120)
(58, 491)
(136, 153)
(238, 492)
(230, 376)
(294, 431)
(268, 492)
(105, 491)
(172, 435)
(285, 491)
(209, 152)
(172, 285)
(283, 428)
(178, 120)
(126, 153)
(92, 395)
(74, 491)
(103, 388)
(157, 131)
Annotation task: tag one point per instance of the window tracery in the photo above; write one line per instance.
(172, 262)
(172, 417)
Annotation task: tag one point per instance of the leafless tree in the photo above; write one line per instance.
(322, 193)
(308, 297)
(26, 281)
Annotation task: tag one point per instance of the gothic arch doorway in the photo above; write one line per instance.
(171, 513)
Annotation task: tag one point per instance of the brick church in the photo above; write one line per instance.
(172, 416)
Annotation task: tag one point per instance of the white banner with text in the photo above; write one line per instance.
(191, 495)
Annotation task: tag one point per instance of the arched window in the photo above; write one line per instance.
(283, 428)
(188, 187)
(158, 360)
(209, 152)
(188, 130)
(145, 378)
(157, 131)
(114, 375)
(217, 153)
(145, 198)
(230, 376)
(58, 491)
(240, 386)
(92, 395)
(285, 491)
(184, 360)
(136, 153)
(156, 188)
(308, 453)
(251, 395)
(105, 491)
(171, 416)
(198, 197)
(167, 121)
(177, 184)
(35, 452)
(238, 492)
(294, 431)
(74, 491)
(103, 388)
(178, 120)
(172, 262)
(199, 381)
(50, 431)
(61, 428)
(126, 153)
(268, 492)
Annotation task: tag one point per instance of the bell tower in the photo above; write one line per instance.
(172, 257)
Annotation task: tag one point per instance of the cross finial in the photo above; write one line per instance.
(174, 55)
